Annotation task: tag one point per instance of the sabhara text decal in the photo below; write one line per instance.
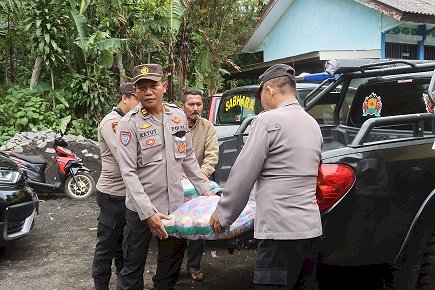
(239, 100)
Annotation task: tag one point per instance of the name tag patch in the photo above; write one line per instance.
(148, 133)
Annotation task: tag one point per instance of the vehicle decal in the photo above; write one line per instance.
(146, 126)
(125, 137)
(372, 105)
(427, 103)
(182, 148)
(239, 100)
(176, 120)
(150, 141)
(114, 126)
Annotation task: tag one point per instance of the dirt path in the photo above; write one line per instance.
(58, 254)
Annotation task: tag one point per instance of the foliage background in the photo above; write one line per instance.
(64, 60)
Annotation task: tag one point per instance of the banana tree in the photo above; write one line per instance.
(94, 53)
(47, 25)
(174, 13)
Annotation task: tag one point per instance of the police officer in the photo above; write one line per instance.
(283, 154)
(111, 193)
(206, 148)
(154, 147)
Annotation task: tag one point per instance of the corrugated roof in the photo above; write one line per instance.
(426, 7)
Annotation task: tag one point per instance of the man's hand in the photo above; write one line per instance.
(215, 224)
(156, 225)
(183, 175)
(208, 193)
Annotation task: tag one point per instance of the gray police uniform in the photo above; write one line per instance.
(111, 200)
(152, 152)
(282, 153)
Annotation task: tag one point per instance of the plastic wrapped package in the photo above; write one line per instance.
(190, 191)
(191, 220)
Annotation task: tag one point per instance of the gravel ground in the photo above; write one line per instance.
(58, 254)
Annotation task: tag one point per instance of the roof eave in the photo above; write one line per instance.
(398, 14)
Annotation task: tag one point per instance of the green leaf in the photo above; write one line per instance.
(38, 23)
(54, 44)
(106, 58)
(63, 123)
(48, 25)
(47, 38)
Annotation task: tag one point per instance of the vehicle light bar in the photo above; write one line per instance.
(317, 77)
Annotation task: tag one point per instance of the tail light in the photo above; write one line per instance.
(333, 182)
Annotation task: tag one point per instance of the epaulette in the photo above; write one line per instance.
(130, 113)
(171, 105)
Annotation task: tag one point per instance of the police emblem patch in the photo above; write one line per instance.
(182, 148)
(146, 126)
(125, 137)
(176, 120)
(114, 126)
(143, 111)
(144, 70)
(372, 105)
(150, 142)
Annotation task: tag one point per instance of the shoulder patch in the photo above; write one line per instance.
(125, 137)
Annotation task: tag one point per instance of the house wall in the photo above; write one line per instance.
(315, 25)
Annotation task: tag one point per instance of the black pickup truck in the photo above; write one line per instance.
(376, 184)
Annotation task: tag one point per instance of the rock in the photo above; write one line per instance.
(49, 139)
(96, 156)
(18, 149)
(84, 151)
(50, 150)
(42, 144)
(89, 155)
(80, 138)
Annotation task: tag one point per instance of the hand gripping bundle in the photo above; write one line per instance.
(191, 220)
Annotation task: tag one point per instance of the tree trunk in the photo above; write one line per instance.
(36, 72)
(122, 76)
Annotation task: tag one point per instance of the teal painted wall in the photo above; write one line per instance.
(313, 25)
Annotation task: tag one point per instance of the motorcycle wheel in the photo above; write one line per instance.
(81, 186)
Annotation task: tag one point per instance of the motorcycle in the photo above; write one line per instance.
(75, 178)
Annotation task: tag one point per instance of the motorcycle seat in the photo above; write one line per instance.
(35, 159)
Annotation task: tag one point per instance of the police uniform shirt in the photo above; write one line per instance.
(151, 157)
(282, 155)
(110, 180)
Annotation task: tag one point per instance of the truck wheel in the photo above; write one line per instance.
(426, 277)
(80, 186)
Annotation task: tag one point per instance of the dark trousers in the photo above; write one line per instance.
(195, 249)
(111, 222)
(137, 237)
(285, 264)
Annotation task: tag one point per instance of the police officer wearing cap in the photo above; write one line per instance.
(154, 146)
(111, 193)
(282, 153)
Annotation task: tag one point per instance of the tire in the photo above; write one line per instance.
(426, 276)
(84, 188)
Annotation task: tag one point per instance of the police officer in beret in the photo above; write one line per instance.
(111, 193)
(154, 146)
(282, 153)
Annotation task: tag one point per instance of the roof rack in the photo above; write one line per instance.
(339, 66)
